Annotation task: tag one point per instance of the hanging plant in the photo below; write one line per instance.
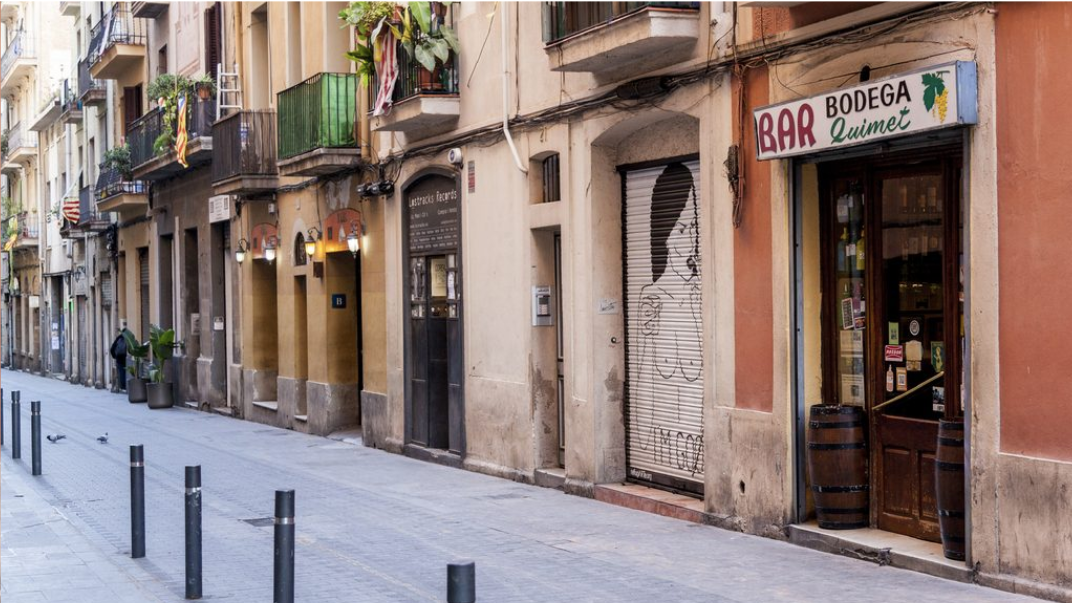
(166, 89)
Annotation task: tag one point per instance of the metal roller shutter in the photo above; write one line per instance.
(664, 328)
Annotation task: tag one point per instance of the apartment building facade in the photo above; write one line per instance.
(617, 249)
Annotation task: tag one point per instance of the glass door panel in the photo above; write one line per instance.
(849, 264)
(913, 295)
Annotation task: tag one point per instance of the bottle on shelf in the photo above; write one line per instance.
(860, 249)
(842, 248)
(889, 378)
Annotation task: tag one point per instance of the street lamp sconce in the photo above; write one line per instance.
(269, 249)
(353, 240)
(311, 240)
(243, 249)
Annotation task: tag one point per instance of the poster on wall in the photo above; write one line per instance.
(928, 99)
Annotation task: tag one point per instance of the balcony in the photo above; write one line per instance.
(117, 44)
(70, 9)
(89, 218)
(424, 103)
(90, 91)
(316, 125)
(244, 153)
(619, 40)
(48, 114)
(21, 148)
(18, 62)
(115, 193)
(148, 10)
(70, 105)
(28, 231)
(142, 134)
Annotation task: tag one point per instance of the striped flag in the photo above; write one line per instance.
(71, 210)
(386, 73)
(181, 136)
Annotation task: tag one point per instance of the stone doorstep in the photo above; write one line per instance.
(267, 405)
(550, 477)
(884, 548)
(652, 500)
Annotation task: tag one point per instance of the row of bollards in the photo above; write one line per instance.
(461, 577)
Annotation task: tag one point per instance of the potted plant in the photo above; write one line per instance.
(162, 342)
(429, 41)
(372, 21)
(118, 158)
(166, 89)
(138, 352)
(205, 86)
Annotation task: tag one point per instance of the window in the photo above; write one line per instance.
(552, 188)
(563, 19)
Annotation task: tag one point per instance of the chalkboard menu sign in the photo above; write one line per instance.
(434, 221)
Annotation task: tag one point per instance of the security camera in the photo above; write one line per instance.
(455, 156)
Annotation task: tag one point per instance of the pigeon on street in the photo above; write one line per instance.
(55, 438)
(103, 439)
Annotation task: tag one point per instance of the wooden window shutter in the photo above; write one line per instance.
(131, 104)
(213, 54)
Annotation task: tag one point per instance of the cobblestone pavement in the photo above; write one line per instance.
(371, 526)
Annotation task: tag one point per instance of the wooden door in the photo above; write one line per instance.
(892, 322)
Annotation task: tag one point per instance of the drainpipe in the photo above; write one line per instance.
(506, 94)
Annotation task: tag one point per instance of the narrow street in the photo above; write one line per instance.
(371, 526)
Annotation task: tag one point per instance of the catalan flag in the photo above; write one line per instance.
(181, 137)
(71, 210)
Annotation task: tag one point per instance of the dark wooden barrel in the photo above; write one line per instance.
(837, 466)
(949, 476)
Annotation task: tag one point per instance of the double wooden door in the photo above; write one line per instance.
(892, 319)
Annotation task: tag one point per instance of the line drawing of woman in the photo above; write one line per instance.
(669, 324)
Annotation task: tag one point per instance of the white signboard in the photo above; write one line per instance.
(219, 208)
(928, 99)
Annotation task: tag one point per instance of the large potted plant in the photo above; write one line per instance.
(162, 342)
(420, 27)
(137, 352)
(118, 159)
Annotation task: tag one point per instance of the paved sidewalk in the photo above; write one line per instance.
(371, 526)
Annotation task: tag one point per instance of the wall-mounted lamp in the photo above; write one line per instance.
(15, 284)
(310, 241)
(243, 249)
(353, 240)
(269, 249)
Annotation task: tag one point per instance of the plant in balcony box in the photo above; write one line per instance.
(137, 352)
(163, 344)
(205, 86)
(430, 40)
(118, 159)
(166, 89)
(374, 23)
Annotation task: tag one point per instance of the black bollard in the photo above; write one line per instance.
(193, 532)
(35, 437)
(284, 547)
(16, 425)
(461, 582)
(137, 501)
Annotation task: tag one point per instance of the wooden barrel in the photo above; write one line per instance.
(837, 466)
(949, 476)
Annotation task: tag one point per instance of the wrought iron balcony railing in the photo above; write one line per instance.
(110, 183)
(564, 19)
(117, 26)
(244, 144)
(143, 133)
(317, 113)
(86, 83)
(20, 47)
(29, 226)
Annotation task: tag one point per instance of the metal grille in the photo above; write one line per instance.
(244, 144)
(107, 293)
(563, 19)
(664, 329)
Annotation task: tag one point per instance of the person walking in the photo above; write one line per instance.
(119, 353)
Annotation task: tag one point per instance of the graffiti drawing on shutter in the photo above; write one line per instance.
(666, 343)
